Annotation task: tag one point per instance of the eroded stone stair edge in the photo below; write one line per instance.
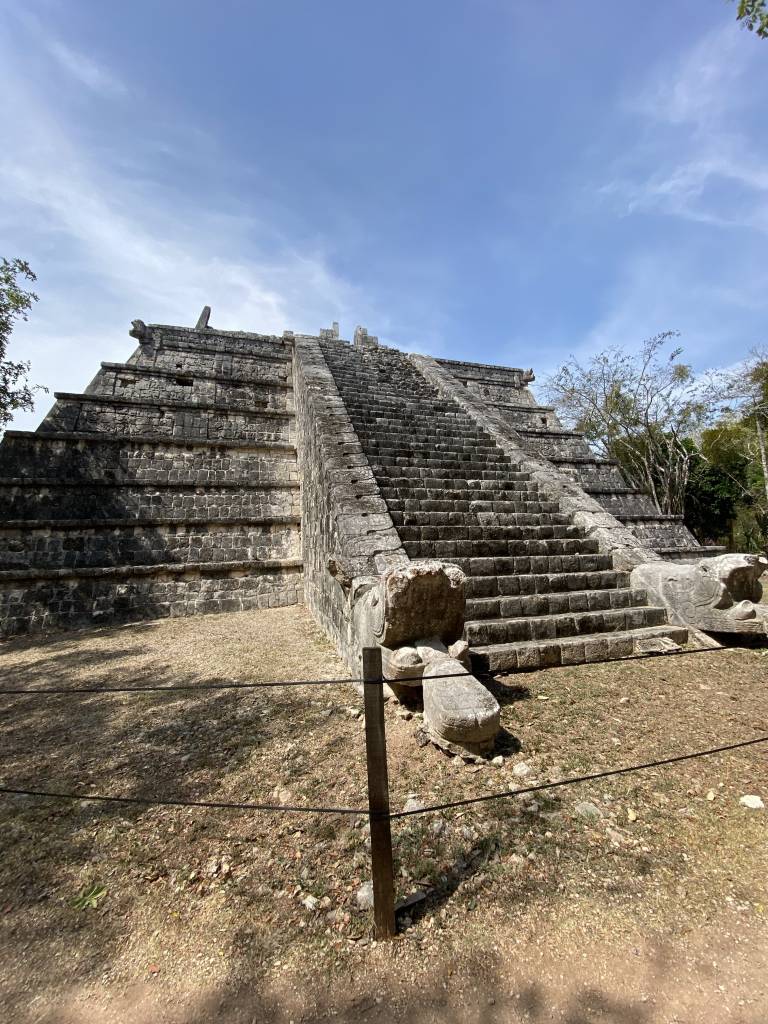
(612, 536)
(344, 518)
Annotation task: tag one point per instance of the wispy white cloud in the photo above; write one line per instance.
(700, 160)
(694, 159)
(85, 70)
(700, 86)
(110, 245)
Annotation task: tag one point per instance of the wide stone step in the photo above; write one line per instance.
(464, 482)
(463, 471)
(556, 603)
(477, 532)
(535, 654)
(394, 426)
(427, 427)
(456, 503)
(508, 565)
(407, 444)
(396, 430)
(420, 415)
(478, 587)
(498, 548)
(482, 632)
(469, 517)
(372, 393)
(461, 461)
(426, 419)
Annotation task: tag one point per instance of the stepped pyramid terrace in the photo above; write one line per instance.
(431, 507)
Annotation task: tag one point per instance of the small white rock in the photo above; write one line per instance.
(354, 712)
(586, 809)
(364, 896)
(521, 769)
(413, 803)
(754, 803)
(498, 762)
(310, 902)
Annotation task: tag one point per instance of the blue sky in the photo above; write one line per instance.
(494, 180)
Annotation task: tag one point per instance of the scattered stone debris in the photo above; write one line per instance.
(364, 896)
(521, 769)
(586, 809)
(413, 803)
(754, 803)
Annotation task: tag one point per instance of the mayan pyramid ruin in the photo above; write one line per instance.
(405, 499)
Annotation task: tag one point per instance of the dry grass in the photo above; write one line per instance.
(202, 914)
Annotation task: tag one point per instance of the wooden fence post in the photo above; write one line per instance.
(378, 795)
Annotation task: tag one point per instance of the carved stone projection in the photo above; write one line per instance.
(416, 615)
(719, 595)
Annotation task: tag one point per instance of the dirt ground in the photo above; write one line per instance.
(637, 900)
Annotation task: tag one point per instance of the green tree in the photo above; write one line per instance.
(15, 304)
(753, 14)
(718, 488)
(745, 423)
(639, 409)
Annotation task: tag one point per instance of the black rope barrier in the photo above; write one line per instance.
(578, 779)
(147, 801)
(195, 687)
(431, 808)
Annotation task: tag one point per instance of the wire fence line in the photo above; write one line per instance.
(578, 779)
(378, 811)
(178, 802)
(30, 691)
(429, 809)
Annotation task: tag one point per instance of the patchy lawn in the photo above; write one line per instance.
(639, 899)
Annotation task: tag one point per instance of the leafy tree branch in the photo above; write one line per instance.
(15, 304)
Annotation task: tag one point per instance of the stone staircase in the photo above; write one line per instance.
(540, 434)
(539, 592)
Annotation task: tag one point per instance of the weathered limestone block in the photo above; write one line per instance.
(719, 594)
(413, 612)
(458, 713)
(422, 599)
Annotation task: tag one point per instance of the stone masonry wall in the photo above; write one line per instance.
(74, 457)
(87, 543)
(192, 343)
(94, 415)
(343, 513)
(45, 601)
(120, 380)
(62, 500)
(170, 487)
